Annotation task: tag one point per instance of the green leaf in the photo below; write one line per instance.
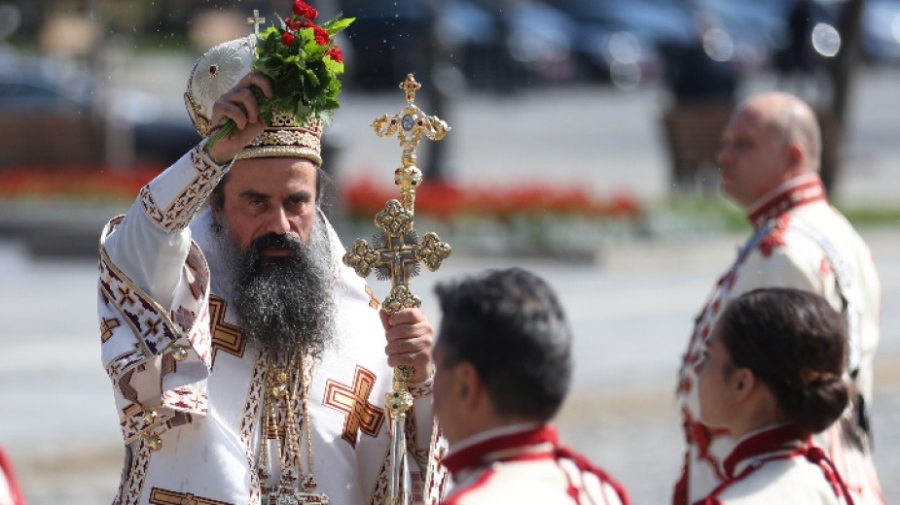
(337, 24)
(334, 67)
(304, 80)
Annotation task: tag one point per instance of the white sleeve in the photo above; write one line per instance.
(151, 243)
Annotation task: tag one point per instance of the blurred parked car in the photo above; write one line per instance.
(763, 33)
(387, 41)
(881, 31)
(757, 29)
(618, 41)
(509, 43)
(492, 43)
(61, 102)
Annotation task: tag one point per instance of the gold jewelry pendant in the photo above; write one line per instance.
(290, 496)
(287, 494)
(308, 495)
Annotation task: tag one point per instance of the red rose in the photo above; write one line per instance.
(296, 25)
(335, 54)
(299, 7)
(305, 10)
(288, 38)
(321, 35)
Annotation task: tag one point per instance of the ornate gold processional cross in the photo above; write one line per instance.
(397, 251)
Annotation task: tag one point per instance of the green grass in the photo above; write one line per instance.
(716, 212)
(711, 213)
(872, 216)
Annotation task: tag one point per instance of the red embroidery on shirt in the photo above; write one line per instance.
(806, 191)
(776, 237)
(825, 266)
(685, 386)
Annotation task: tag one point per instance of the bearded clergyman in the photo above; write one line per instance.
(248, 364)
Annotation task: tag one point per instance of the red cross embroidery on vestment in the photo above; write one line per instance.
(354, 402)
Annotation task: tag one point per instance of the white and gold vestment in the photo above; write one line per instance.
(189, 391)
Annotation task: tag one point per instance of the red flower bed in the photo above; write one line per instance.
(75, 182)
(363, 197)
(445, 201)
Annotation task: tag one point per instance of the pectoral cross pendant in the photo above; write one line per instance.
(291, 496)
(287, 493)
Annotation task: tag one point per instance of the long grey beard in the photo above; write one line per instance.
(284, 306)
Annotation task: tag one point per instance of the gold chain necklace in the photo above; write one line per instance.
(283, 385)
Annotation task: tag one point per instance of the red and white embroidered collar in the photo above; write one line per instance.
(798, 191)
(528, 444)
(781, 442)
(787, 439)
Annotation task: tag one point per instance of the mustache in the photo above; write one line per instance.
(275, 240)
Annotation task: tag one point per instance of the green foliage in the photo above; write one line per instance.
(304, 65)
(706, 212)
(717, 213)
(871, 215)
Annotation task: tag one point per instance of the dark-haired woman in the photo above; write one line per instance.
(771, 376)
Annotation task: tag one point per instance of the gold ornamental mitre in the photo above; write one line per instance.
(397, 251)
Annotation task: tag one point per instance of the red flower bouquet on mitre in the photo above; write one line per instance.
(303, 62)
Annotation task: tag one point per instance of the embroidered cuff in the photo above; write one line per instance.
(421, 389)
(173, 199)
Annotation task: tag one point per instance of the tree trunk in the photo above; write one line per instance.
(841, 73)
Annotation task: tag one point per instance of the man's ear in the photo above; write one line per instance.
(796, 157)
(469, 387)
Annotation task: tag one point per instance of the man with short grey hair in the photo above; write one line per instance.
(769, 163)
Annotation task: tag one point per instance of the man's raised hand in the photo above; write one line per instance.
(239, 105)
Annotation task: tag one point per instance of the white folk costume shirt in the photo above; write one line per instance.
(524, 466)
(10, 493)
(800, 241)
(185, 380)
(777, 466)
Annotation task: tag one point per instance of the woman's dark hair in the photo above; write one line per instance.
(796, 343)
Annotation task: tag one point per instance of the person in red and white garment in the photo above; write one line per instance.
(769, 163)
(503, 367)
(10, 493)
(248, 364)
(771, 374)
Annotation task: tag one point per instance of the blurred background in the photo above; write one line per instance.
(582, 146)
(86, 64)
